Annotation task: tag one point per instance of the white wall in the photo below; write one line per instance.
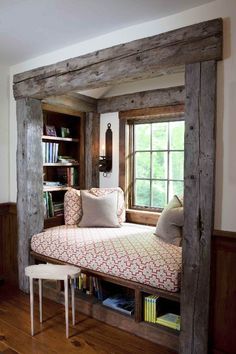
(226, 91)
(4, 135)
(112, 179)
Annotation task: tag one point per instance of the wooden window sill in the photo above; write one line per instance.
(142, 217)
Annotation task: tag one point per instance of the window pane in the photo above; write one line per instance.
(142, 193)
(159, 165)
(142, 165)
(142, 136)
(176, 188)
(159, 194)
(177, 135)
(160, 136)
(176, 165)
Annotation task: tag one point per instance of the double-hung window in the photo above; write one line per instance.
(156, 162)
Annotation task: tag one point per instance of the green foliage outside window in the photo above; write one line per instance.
(158, 163)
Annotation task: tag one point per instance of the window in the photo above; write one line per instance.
(157, 163)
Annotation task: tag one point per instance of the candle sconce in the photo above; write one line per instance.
(105, 161)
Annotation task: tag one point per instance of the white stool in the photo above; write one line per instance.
(55, 272)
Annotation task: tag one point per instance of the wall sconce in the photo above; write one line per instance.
(105, 161)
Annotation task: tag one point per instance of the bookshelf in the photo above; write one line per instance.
(63, 159)
(92, 304)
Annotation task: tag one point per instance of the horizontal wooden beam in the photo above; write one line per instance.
(152, 98)
(74, 102)
(143, 58)
(153, 113)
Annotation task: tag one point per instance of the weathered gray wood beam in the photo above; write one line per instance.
(73, 101)
(200, 111)
(139, 59)
(152, 98)
(186, 34)
(92, 132)
(29, 180)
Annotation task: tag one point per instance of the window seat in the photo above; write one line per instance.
(130, 252)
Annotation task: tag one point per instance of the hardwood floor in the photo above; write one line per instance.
(89, 336)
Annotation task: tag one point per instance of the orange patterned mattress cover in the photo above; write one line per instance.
(130, 252)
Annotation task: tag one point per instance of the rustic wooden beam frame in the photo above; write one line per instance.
(200, 45)
(144, 99)
(200, 80)
(142, 58)
(73, 101)
(30, 214)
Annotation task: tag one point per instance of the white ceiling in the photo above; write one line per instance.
(29, 28)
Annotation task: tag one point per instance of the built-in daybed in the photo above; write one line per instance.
(130, 255)
(128, 251)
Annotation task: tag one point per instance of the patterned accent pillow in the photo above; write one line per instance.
(121, 202)
(72, 207)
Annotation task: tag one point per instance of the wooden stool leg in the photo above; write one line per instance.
(32, 305)
(40, 301)
(66, 306)
(73, 300)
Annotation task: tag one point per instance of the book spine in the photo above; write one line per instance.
(46, 152)
(68, 171)
(80, 282)
(145, 308)
(57, 147)
(152, 308)
(43, 151)
(148, 309)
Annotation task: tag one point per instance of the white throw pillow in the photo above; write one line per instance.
(170, 222)
(99, 211)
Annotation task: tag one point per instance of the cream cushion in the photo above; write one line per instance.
(170, 222)
(73, 205)
(99, 211)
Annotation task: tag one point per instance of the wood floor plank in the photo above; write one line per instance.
(88, 336)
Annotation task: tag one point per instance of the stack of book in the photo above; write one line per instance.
(170, 320)
(50, 152)
(67, 159)
(58, 208)
(53, 184)
(120, 303)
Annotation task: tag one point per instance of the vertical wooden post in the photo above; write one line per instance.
(92, 136)
(138, 313)
(200, 83)
(29, 180)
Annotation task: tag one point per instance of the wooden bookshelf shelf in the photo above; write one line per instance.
(162, 327)
(60, 164)
(53, 221)
(90, 306)
(58, 188)
(58, 138)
